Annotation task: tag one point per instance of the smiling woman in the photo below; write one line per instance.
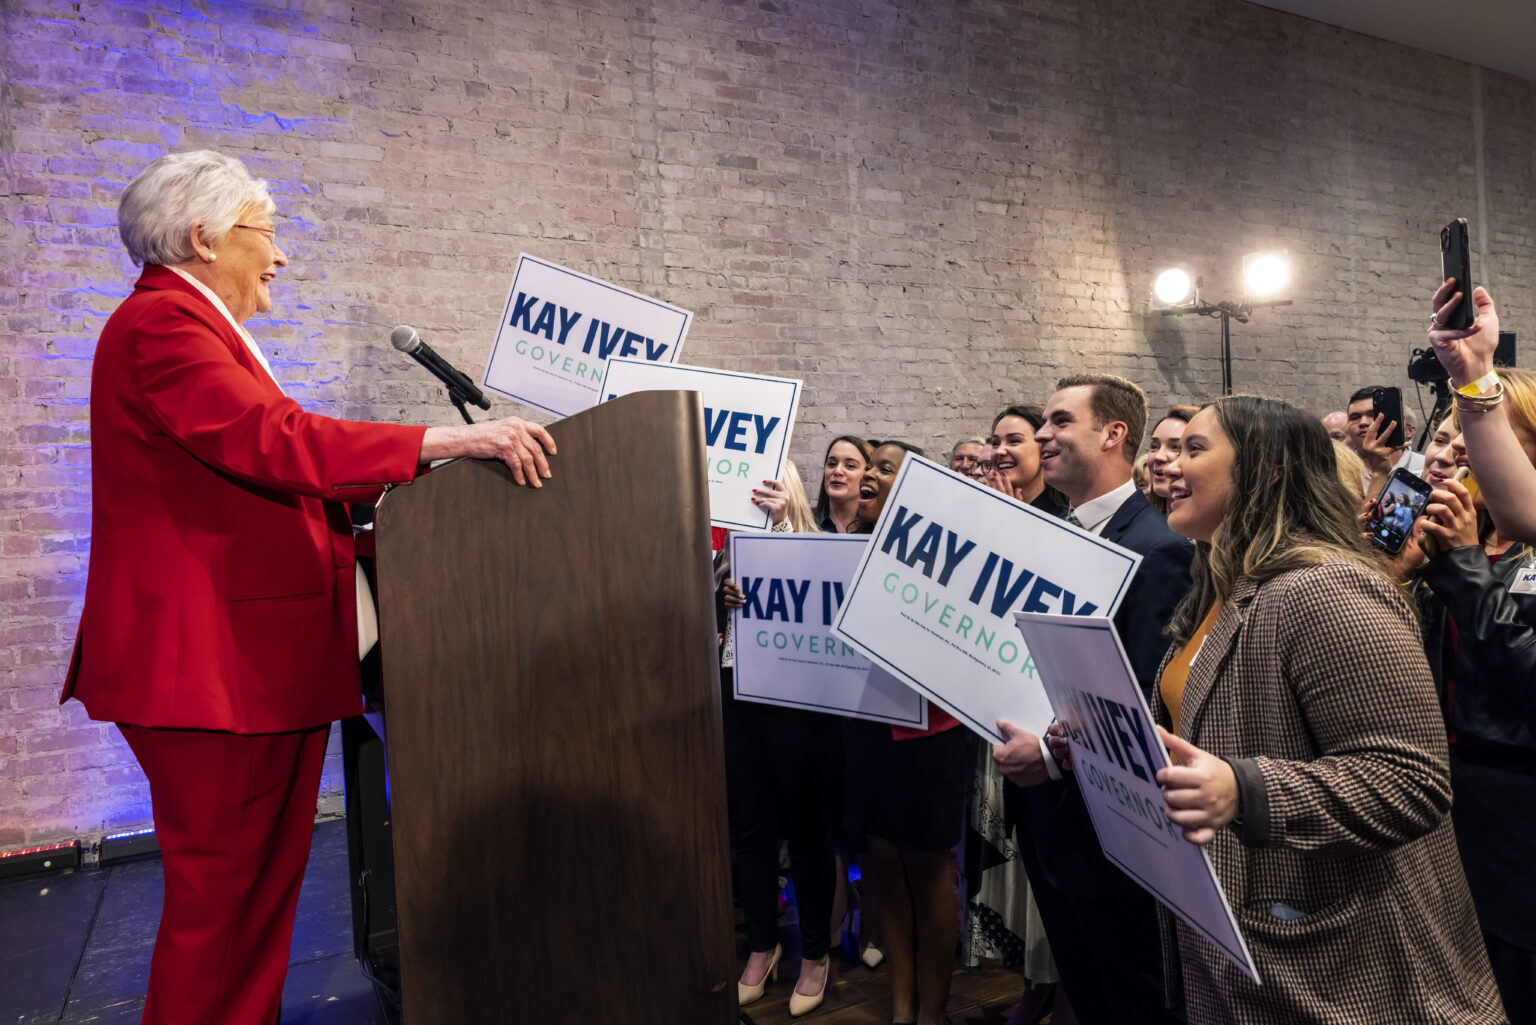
(837, 506)
(905, 794)
(220, 627)
(1325, 814)
(1164, 447)
(1016, 466)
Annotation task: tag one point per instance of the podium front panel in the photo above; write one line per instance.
(551, 688)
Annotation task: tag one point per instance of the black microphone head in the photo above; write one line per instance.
(405, 338)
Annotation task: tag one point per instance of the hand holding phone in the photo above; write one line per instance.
(1400, 503)
(1467, 354)
(1453, 523)
(1387, 403)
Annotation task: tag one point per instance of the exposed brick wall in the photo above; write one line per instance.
(926, 210)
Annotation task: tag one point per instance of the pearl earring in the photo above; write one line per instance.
(212, 257)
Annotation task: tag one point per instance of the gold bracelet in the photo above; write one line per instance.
(1480, 403)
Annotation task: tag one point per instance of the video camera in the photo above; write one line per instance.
(1424, 366)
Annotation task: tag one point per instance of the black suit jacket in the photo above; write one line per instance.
(1083, 898)
(1159, 583)
(1052, 816)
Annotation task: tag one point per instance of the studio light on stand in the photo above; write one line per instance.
(1174, 289)
(1266, 282)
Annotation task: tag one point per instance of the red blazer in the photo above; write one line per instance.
(221, 592)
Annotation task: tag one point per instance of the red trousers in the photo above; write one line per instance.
(234, 816)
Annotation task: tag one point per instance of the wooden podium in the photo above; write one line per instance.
(552, 695)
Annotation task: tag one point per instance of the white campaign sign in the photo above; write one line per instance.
(559, 329)
(948, 562)
(747, 423)
(785, 651)
(1115, 757)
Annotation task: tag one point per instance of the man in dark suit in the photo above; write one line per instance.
(1101, 925)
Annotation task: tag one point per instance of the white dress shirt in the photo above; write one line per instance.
(1096, 513)
(1411, 461)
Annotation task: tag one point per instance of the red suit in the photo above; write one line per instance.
(220, 626)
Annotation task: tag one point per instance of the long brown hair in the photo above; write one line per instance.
(1288, 508)
(1035, 417)
(823, 504)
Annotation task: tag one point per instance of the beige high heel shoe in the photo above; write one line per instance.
(746, 994)
(800, 1004)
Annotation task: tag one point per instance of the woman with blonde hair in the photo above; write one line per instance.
(1141, 475)
(1351, 470)
(796, 507)
(778, 764)
(1480, 637)
(1311, 759)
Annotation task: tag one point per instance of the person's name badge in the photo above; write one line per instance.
(1524, 582)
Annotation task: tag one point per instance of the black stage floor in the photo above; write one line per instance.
(75, 947)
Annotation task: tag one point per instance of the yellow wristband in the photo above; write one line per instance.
(1482, 386)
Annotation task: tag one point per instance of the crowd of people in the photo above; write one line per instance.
(1353, 731)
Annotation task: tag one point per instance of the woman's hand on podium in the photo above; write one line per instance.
(516, 442)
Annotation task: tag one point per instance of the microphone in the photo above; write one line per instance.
(409, 342)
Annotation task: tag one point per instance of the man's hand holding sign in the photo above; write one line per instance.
(1021, 757)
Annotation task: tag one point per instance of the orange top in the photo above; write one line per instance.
(1176, 672)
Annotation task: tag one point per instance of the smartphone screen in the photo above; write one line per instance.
(1456, 262)
(1387, 403)
(1401, 502)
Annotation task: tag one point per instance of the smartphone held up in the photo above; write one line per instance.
(1456, 262)
(1387, 403)
(1401, 501)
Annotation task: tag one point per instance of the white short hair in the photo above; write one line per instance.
(178, 190)
(966, 441)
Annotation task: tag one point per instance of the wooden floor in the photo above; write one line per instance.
(857, 996)
(985, 995)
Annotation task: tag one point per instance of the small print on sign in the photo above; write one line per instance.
(559, 329)
(747, 423)
(948, 564)
(786, 653)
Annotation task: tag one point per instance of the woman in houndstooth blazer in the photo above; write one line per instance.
(1311, 757)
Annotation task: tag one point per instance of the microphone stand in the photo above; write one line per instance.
(460, 402)
(456, 394)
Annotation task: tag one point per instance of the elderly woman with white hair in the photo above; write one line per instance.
(220, 626)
